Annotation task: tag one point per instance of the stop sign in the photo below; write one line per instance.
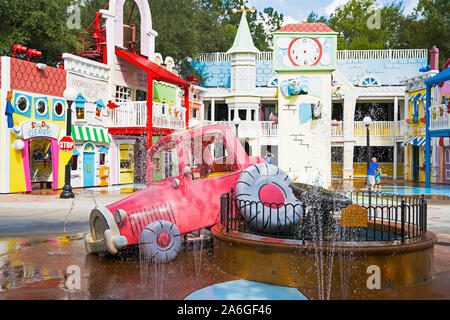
(66, 144)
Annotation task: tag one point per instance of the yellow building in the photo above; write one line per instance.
(30, 156)
(414, 143)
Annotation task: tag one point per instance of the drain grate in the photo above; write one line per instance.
(440, 243)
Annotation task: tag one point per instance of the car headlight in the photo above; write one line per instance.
(120, 215)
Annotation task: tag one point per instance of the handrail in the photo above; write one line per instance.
(341, 55)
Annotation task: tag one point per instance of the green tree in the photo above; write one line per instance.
(361, 25)
(37, 24)
(429, 25)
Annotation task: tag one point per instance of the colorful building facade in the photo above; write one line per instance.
(439, 127)
(34, 120)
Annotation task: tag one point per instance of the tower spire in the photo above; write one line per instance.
(243, 42)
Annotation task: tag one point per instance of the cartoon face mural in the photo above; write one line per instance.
(295, 86)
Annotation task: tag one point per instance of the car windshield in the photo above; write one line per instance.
(165, 162)
(209, 155)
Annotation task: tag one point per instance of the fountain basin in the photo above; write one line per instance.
(289, 262)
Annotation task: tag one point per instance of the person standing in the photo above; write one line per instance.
(378, 175)
(268, 157)
(373, 166)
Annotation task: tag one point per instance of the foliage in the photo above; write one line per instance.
(429, 25)
(37, 24)
(426, 26)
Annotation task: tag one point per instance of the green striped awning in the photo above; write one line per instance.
(86, 133)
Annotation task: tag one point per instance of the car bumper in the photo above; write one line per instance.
(104, 235)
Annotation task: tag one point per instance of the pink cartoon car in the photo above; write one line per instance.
(189, 172)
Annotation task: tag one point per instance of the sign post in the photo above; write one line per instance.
(66, 147)
(67, 142)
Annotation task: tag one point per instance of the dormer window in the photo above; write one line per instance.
(80, 103)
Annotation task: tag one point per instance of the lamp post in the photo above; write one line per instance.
(237, 122)
(367, 122)
(70, 95)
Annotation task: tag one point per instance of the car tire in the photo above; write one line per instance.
(265, 199)
(160, 242)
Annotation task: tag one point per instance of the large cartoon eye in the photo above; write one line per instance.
(41, 107)
(22, 104)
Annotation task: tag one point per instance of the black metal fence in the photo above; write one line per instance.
(389, 217)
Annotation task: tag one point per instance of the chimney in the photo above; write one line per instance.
(434, 58)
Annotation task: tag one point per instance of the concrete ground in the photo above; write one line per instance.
(38, 242)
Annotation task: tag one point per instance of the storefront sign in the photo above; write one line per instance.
(39, 128)
(354, 216)
(91, 89)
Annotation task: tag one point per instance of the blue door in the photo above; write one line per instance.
(89, 169)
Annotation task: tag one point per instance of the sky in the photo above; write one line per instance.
(295, 11)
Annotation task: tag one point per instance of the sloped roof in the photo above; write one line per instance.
(159, 72)
(243, 42)
(306, 27)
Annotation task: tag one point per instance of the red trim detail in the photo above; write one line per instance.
(292, 60)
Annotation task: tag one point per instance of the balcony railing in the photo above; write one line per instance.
(341, 55)
(250, 129)
(134, 114)
(377, 129)
(440, 118)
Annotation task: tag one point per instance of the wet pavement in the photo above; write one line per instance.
(40, 271)
(44, 211)
(41, 242)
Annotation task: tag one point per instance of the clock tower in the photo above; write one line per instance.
(304, 57)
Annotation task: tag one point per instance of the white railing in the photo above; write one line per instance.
(440, 118)
(134, 114)
(268, 129)
(383, 54)
(129, 114)
(341, 55)
(250, 129)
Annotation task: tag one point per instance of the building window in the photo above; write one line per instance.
(74, 162)
(80, 102)
(123, 94)
(194, 113)
(59, 109)
(102, 159)
(80, 112)
(22, 104)
(370, 81)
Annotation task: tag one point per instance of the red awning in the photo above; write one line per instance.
(158, 72)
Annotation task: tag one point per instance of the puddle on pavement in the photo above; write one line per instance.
(14, 275)
(13, 244)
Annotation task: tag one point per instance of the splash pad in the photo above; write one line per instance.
(333, 248)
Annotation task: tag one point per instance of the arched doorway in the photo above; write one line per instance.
(89, 165)
(40, 157)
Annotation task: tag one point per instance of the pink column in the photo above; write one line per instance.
(26, 164)
(55, 162)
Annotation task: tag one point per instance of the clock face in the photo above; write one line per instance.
(305, 51)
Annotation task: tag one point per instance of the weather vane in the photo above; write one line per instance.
(244, 10)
